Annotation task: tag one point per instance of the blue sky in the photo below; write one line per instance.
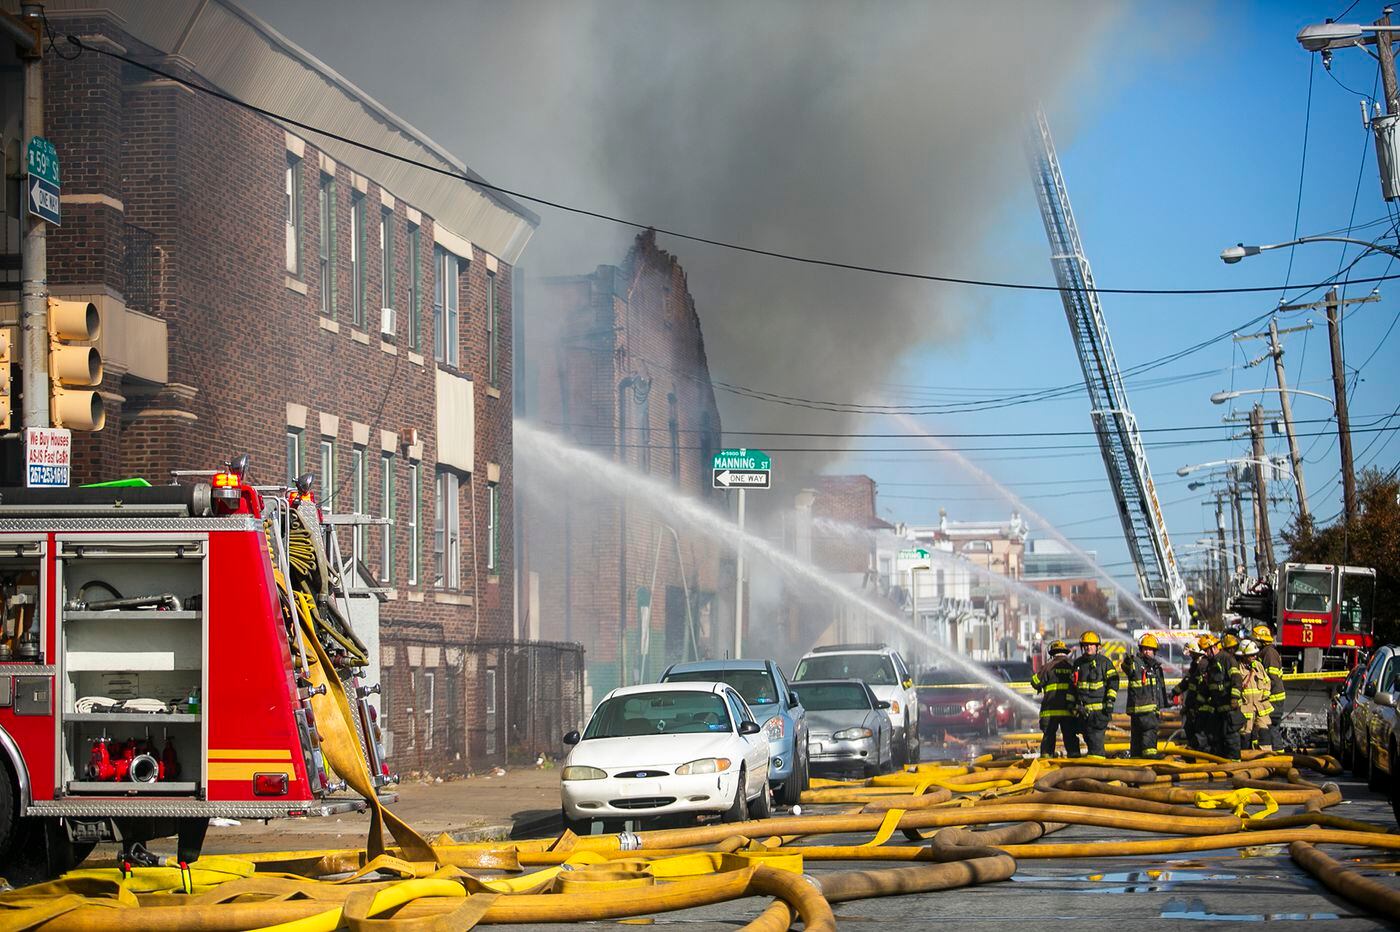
(1179, 150)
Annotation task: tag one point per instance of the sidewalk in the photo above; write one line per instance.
(472, 808)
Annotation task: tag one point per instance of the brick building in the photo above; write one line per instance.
(322, 308)
(622, 372)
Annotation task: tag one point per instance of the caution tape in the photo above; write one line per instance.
(1324, 675)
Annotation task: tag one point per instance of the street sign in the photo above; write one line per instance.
(43, 200)
(741, 469)
(918, 553)
(48, 455)
(43, 160)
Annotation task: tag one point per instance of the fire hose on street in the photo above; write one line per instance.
(960, 825)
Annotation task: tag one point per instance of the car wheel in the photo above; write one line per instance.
(1346, 756)
(738, 810)
(899, 751)
(796, 782)
(1394, 788)
(916, 749)
(762, 806)
(1360, 760)
(1375, 780)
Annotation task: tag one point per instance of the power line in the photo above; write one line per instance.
(690, 237)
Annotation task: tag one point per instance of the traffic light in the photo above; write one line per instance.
(4, 379)
(75, 365)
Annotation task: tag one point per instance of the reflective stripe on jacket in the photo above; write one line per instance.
(1273, 665)
(1147, 687)
(1056, 681)
(1095, 683)
(1254, 688)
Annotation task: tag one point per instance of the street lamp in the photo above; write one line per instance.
(1219, 398)
(1238, 461)
(1233, 254)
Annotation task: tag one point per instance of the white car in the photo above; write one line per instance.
(667, 749)
(884, 671)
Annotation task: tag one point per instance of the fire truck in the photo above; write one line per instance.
(1322, 614)
(168, 655)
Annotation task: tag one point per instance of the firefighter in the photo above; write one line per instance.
(1147, 693)
(1095, 689)
(1273, 665)
(1187, 695)
(1255, 707)
(1055, 680)
(1223, 678)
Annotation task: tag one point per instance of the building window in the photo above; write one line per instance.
(386, 556)
(357, 259)
(415, 509)
(415, 288)
(328, 475)
(446, 294)
(707, 450)
(493, 527)
(293, 214)
(295, 455)
(1076, 590)
(386, 255)
(491, 328)
(359, 499)
(447, 532)
(673, 423)
(428, 703)
(327, 204)
(644, 435)
(1055, 591)
(412, 697)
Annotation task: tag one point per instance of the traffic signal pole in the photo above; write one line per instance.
(34, 278)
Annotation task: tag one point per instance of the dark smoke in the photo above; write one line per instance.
(884, 133)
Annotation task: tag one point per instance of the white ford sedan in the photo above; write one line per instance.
(667, 749)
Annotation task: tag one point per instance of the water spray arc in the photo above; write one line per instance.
(1051, 604)
(554, 458)
(1015, 501)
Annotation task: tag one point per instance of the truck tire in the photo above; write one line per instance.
(43, 852)
(9, 817)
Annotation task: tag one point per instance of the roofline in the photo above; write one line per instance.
(377, 108)
(665, 687)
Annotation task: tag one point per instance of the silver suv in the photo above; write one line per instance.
(885, 672)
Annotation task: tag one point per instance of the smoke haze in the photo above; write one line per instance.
(875, 133)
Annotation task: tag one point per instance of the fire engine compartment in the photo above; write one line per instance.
(155, 653)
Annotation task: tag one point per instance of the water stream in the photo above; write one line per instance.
(1049, 603)
(1133, 599)
(553, 459)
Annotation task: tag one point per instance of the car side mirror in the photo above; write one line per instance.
(908, 683)
(882, 704)
(748, 728)
(571, 738)
(1370, 691)
(793, 700)
(1385, 699)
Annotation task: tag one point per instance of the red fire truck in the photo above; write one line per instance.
(1322, 614)
(168, 655)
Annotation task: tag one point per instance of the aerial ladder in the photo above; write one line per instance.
(1120, 441)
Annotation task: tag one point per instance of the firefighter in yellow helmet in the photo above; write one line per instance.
(1255, 708)
(1055, 680)
(1273, 665)
(1226, 681)
(1191, 693)
(1095, 689)
(1147, 693)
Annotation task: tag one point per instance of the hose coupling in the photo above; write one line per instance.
(629, 841)
(363, 691)
(815, 881)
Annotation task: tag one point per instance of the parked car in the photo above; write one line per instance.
(885, 672)
(1373, 722)
(666, 749)
(951, 703)
(775, 706)
(1341, 742)
(849, 727)
(1013, 671)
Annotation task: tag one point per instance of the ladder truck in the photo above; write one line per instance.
(1120, 441)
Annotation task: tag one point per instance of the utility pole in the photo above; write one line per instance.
(1339, 380)
(34, 276)
(1386, 54)
(1264, 541)
(1286, 403)
(1222, 552)
(1237, 526)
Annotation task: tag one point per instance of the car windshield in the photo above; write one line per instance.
(1015, 671)
(832, 697)
(756, 686)
(874, 669)
(658, 713)
(1358, 593)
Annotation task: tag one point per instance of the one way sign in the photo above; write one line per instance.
(43, 200)
(741, 478)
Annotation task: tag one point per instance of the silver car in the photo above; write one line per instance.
(847, 726)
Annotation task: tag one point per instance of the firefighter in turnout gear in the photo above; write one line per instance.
(1055, 681)
(1095, 689)
(1147, 693)
(1254, 697)
(1273, 665)
(1224, 687)
(1191, 693)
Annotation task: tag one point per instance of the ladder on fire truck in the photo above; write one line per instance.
(1120, 442)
